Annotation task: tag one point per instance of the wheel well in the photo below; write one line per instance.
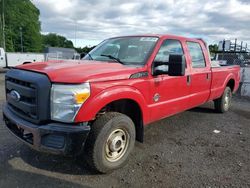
(231, 84)
(132, 110)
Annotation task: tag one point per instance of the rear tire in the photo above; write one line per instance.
(110, 142)
(223, 103)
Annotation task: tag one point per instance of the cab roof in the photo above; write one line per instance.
(163, 35)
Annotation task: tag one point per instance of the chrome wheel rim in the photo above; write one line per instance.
(116, 145)
(227, 100)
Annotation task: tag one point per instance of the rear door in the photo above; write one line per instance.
(200, 75)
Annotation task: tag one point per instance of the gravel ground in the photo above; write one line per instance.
(180, 151)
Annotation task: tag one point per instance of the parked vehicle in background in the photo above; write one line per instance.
(101, 104)
(11, 59)
(232, 53)
(55, 53)
(232, 58)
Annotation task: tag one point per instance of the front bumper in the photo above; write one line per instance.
(56, 138)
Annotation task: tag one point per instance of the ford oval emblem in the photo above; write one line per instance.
(15, 95)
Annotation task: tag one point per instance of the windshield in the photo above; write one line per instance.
(124, 50)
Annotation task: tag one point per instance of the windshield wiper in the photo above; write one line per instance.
(112, 57)
(89, 56)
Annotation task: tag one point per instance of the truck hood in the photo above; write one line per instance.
(81, 71)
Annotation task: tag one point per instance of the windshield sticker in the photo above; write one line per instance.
(149, 39)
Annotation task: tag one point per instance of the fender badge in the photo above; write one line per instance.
(156, 97)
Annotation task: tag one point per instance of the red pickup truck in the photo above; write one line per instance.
(100, 104)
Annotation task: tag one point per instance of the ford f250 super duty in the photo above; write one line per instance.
(99, 105)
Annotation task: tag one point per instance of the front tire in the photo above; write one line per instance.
(110, 142)
(224, 102)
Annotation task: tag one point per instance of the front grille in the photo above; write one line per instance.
(20, 82)
(32, 91)
(27, 104)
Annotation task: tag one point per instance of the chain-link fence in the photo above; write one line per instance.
(244, 88)
(237, 58)
(233, 58)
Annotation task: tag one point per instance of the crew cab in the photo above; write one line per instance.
(99, 106)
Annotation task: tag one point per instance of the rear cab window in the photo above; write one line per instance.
(196, 54)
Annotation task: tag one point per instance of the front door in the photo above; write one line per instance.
(170, 94)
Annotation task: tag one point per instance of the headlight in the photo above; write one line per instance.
(66, 100)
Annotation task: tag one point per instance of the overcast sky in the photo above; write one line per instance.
(91, 21)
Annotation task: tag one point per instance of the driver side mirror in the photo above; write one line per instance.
(174, 67)
(177, 65)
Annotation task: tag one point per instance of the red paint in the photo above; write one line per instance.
(110, 82)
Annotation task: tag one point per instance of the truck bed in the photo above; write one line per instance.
(220, 76)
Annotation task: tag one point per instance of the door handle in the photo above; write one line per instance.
(208, 77)
(188, 79)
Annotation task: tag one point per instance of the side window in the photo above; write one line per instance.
(196, 54)
(168, 47)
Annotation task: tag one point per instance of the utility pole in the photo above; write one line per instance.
(3, 25)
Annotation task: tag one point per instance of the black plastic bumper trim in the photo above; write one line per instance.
(74, 136)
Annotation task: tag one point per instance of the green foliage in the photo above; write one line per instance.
(85, 49)
(22, 17)
(54, 40)
(213, 47)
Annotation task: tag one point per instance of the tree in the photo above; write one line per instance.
(54, 40)
(1, 23)
(213, 47)
(22, 29)
(22, 18)
(85, 49)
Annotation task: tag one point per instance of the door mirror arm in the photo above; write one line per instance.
(175, 67)
(160, 68)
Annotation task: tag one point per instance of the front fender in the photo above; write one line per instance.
(94, 104)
